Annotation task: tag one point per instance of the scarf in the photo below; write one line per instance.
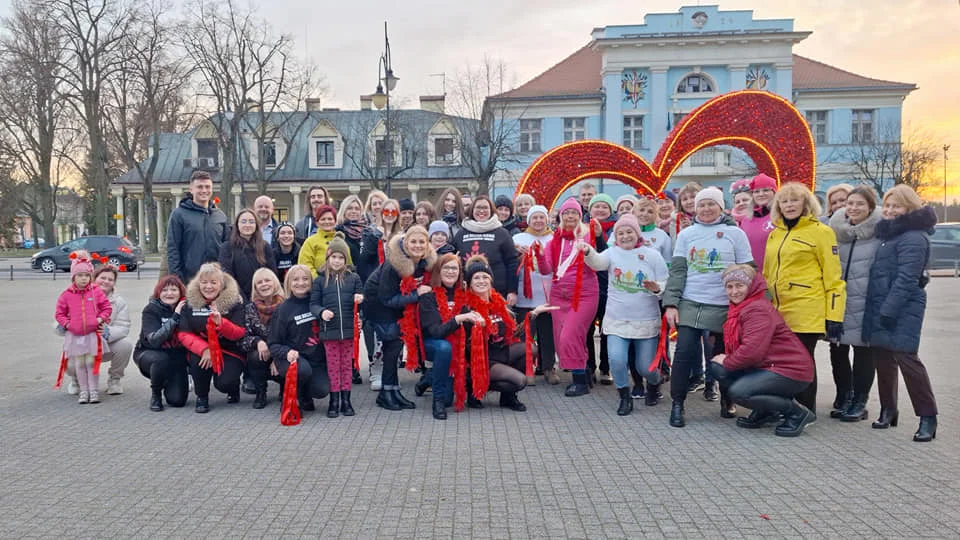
(480, 336)
(761, 211)
(528, 267)
(556, 248)
(607, 226)
(491, 224)
(457, 340)
(213, 341)
(683, 220)
(450, 218)
(410, 330)
(647, 228)
(731, 328)
(522, 224)
(265, 310)
(353, 228)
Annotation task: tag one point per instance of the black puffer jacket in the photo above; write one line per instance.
(194, 236)
(241, 263)
(292, 327)
(337, 296)
(158, 327)
(369, 258)
(382, 300)
(431, 322)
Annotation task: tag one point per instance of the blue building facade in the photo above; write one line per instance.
(631, 84)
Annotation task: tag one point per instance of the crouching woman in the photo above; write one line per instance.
(765, 364)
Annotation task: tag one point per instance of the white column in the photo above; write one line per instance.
(738, 76)
(659, 98)
(295, 192)
(141, 222)
(235, 191)
(784, 80)
(118, 193)
(161, 222)
(414, 189)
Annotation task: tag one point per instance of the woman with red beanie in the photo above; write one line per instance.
(763, 188)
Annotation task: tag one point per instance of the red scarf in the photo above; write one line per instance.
(410, 330)
(213, 341)
(578, 266)
(96, 362)
(458, 365)
(528, 344)
(731, 328)
(480, 337)
(380, 255)
(528, 269)
(661, 357)
(682, 217)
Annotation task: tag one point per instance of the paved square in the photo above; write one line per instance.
(566, 468)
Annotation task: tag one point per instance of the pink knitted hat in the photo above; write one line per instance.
(80, 264)
(629, 221)
(572, 204)
(761, 181)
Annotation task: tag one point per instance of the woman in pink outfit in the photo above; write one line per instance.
(757, 229)
(574, 292)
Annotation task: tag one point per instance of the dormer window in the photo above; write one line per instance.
(326, 146)
(698, 83)
(270, 154)
(443, 150)
(325, 155)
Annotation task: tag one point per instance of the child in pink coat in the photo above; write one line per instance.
(81, 310)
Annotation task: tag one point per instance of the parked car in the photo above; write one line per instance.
(118, 250)
(30, 243)
(945, 246)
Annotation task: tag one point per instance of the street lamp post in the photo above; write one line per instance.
(381, 99)
(946, 147)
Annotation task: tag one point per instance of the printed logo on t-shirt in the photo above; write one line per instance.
(304, 318)
(627, 281)
(703, 261)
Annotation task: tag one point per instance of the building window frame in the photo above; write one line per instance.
(862, 122)
(633, 131)
(574, 129)
(531, 130)
(818, 121)
(705, 85)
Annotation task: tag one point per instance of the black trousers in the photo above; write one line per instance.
(255, 369)
(167, 371)
(542, 328)
(228, 381)
(758, 389)
(591, 350)
(689, 355)
(312, 378)
(808, 397)
(858, 377)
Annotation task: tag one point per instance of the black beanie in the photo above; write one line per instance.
(503, 200)
(407, 205)
(476, 263)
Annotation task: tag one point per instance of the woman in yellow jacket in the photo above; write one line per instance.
(313, 253)
(802, 268)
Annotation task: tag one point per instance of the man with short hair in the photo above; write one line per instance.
(263, 208)
(587, 192)
(195, 230)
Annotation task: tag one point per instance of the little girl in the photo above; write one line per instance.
(638, 275)
(332, 301)
(81, 310)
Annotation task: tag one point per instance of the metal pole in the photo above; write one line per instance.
(11, 272)
(386, 82)
(945, 148)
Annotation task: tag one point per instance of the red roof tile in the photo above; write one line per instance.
(579, 74)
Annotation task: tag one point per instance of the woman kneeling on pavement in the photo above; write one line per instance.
(265, 297)
(765, 364)
(158, 353)
(211, 327)
(293, 340)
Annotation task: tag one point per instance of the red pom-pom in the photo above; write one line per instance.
(104, 260)
(73, 255)
(123, 268)
(216, 200)
(94, 255)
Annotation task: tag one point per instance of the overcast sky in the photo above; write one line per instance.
(916, 41)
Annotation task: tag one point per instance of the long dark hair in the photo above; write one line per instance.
(256, 241)
(457, 196)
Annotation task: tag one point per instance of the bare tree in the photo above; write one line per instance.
(32, 112)
(144, 99)
(368, 152)
(889, 158)
(488, 127)
(249, 74)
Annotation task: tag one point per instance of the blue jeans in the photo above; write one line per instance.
(644, 351)
(440, 352)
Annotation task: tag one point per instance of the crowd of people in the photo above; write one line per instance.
(482, 295)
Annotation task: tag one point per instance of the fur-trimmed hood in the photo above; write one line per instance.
(847, 232)
(402, 263)
(923, 220)
(229, 295)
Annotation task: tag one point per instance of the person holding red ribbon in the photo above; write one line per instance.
(533, 289)
(497, 360)
(391, 295)
(81, 309)
(574, 292)
(211, 326)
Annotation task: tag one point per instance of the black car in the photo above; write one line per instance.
(945, 246)
(119, 251)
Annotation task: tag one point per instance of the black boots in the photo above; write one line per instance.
(856, 411)
(727, 408)
(927, 431)
(404, 402)
(234, 396)
(439, 410)
(306, 404)
(421, 387)
(357, 379)
(626, 401)
(203, 405)
(710, 391)
(794, 421)
(676, 414)
(156, 400)
(387, 400)
(888, 418)
(758, 419)
(842, 404)
(652, 397)
(510, 401)
(260, 400)
(333, 410)
(346, 408)
(473, 402)
(579, 386)
(248, 386)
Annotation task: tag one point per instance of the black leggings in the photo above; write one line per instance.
(508, 374)
(255, 369)
(859, 377)
(228, 381)
(167, 370)
(591, 350)
(808, 396)
(312, 378)
(542, 328)
(758, 389)
(688, 355)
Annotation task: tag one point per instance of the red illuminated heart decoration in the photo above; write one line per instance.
(767, 127)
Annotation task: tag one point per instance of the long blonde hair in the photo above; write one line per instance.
(295, 269)
(811, 206)
(272, 277)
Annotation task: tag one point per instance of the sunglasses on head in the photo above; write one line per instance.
(391, 213)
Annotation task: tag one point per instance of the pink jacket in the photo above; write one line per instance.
(77, 310)
(757, 230)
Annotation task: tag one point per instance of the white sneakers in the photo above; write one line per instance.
(73, 388)
(114, 388)
(84, 397)
(94, 396)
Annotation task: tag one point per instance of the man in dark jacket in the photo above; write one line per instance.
(195, 230)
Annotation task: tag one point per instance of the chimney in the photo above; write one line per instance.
(312, 103)
(432, 103)
(366, 103)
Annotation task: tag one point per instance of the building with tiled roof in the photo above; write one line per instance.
(631, 83)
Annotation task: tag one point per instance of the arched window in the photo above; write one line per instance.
(697, 83)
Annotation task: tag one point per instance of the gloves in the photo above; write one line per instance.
(61, 331)
(834, 331)
(887, 321)
(106, 333)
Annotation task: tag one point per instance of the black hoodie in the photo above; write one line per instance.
(158, 326)
(292, 327)
(194, 236)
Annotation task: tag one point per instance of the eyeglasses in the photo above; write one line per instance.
(450, 268)
(247, 222)
(390, 213)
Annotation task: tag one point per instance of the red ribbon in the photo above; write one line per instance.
(528, 268)
(458, 364)
(380, 255)
(410, 330)
(528, 343)
(63, 369)
(213, 341)
(64, 361)
(578, 267)
(661, 356)
(290, 413)
(356, 335)
(479, 363)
